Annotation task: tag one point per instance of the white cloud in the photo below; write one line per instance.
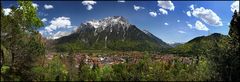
(235, 6)
(190, 26)
(228, 24)
(166, 5)
(48, 6)
(35, 5)
(58, 27)
(189, 13)
(121, 1)
(61, 22)
(165, 23)
(137, 7)
(208, 16)
(200, 26)
(182, 32)
(153, 14)
(178, 20)
(7, 11)
(89, 4)
(59, 34)
(163, 11)
(44, 20)
(191, 7)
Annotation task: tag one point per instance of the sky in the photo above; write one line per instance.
(171, 21)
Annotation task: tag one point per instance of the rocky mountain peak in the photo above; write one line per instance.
(108, 21)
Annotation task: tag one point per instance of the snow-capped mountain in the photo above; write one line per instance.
(114, 33)
(109, 21)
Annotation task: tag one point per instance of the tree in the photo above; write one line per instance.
(234, 45)
(20, 38)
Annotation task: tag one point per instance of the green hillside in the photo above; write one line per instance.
(202, 44)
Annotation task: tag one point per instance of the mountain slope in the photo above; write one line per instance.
(202, 44)
(159, 41)
(175, 44)
(113, 33)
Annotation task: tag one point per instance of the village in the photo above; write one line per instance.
(102, 60)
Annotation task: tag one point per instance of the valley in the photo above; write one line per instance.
(117, 57)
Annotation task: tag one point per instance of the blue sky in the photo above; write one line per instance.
(206, 16)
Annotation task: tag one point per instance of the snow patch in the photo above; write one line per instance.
(105, 41)
(109, 21)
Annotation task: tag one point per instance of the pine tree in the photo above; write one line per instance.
(234, 48)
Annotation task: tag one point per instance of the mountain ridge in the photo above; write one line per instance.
(203, 43)
(113, 33)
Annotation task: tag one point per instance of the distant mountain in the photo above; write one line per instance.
(113, 33)
(202, 43)
(175, 44)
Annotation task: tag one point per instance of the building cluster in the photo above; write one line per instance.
(111, 59)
